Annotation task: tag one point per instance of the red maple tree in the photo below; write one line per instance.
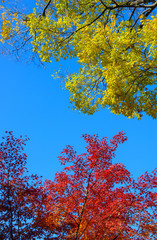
(95, 199)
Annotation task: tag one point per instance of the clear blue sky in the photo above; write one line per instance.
(34, 104)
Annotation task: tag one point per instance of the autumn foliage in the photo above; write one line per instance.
(20, 195)
(113, 41)
(92, 198)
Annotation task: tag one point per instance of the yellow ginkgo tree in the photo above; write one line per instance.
(114, 41)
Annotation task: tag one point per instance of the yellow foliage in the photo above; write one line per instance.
(117, 61)
(5, 28)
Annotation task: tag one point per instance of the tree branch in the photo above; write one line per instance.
(44, 11)
(83, 207)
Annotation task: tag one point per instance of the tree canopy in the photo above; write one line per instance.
(115, 43)
(97, 199)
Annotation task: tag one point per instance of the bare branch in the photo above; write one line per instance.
(132, 13)
(103, 4)
(44, 11)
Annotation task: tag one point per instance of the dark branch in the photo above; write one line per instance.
(44, 11)
(132, 14)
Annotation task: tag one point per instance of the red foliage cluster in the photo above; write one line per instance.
(91, 199)
(20, 195)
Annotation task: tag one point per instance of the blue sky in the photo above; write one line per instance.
(34, 104)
